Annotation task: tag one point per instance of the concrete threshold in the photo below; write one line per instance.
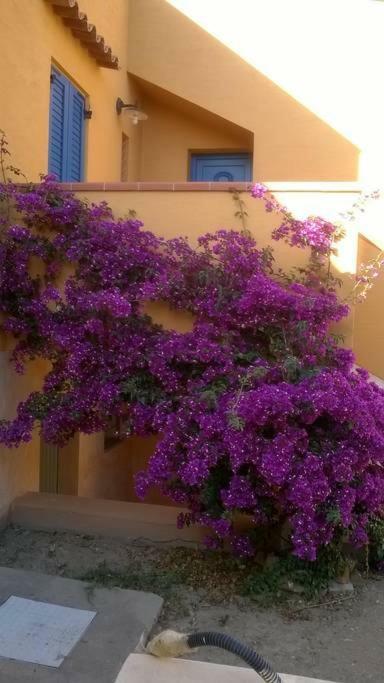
(113, 518)
(140, 668)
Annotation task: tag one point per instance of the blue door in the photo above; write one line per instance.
(220, 167)
(66, 129)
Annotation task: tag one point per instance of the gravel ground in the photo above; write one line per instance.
(338, 637)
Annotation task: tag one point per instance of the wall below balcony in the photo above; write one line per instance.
(171, 209)
(369, 320)
(191, 209)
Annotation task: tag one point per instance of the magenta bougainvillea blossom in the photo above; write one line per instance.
(258, 410)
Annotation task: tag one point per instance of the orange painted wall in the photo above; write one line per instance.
(171, 214)
(19, 468)
(32, 37)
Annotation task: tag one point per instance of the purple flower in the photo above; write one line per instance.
(240, 494)
(259, 190)
(256, 409)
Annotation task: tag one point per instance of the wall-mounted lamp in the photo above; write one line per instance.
(133, 110)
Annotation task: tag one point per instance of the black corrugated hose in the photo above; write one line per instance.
(225, 642)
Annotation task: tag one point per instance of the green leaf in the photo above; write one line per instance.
(247, 357)
(236, 422)
(291, 368)
(333, 515)
(142, 388)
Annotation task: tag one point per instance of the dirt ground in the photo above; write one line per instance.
(339, 637)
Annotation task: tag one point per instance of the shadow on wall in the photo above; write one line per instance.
(169, 53)
(175, 128)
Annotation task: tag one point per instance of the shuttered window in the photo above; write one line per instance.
(66, 129)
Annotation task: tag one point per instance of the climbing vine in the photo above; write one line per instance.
(259, 410)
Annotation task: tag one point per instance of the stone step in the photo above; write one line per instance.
(113, 518)
(140, 668)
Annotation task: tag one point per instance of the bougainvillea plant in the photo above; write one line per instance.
(258, 410)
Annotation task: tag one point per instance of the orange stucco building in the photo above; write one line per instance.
(224, 96)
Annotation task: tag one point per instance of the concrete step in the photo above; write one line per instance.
(113, 518)
(123, 618)
(140, 668)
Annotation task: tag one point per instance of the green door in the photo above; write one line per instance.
(49, 467)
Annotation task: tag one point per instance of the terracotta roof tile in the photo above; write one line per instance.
(77, 21)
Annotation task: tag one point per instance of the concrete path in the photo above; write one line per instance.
(146, 669)
(122, 617)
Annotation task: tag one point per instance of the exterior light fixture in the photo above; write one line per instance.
(133, 110)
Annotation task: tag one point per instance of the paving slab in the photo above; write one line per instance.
(141, 668)
(122, 617)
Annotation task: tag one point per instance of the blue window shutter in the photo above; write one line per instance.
(76, 135)
(66, 129)
(57, 126)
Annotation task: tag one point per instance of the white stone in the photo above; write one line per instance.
(338, 587)
(146, 669)
(40, 632)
